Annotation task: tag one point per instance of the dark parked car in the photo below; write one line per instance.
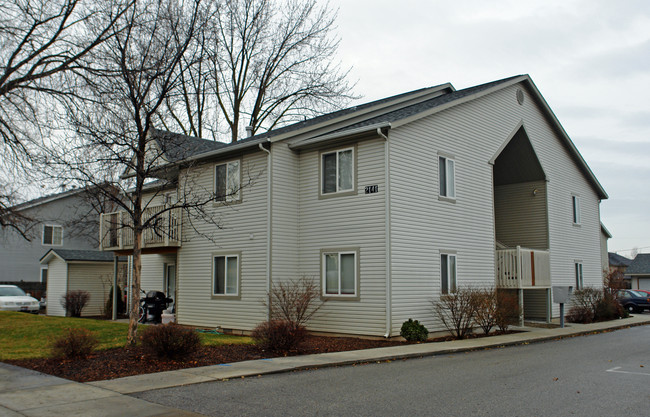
(634, 301)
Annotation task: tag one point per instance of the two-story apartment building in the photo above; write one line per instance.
(387, 205)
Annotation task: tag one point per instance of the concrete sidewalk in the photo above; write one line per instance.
(28, 393)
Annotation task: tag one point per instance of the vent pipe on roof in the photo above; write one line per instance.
(249, 131)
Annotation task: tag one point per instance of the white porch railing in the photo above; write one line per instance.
(523, 268)
(116, 231)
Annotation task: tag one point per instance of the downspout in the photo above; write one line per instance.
(268, 224)
(387, 226)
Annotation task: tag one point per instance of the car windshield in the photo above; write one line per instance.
(11, 292)
(638, 294)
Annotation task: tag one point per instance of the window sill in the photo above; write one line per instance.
(226, 203)
(578, 225)
(334, 297)
(322, 196)
(225, 297)
(447, 199)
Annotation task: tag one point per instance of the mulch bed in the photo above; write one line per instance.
(121, 362)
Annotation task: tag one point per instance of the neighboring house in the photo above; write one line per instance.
(388, 204)
(639, 272)
(86, 270)
(66, 220)
(618, 262)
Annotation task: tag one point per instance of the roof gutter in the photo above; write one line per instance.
(343, 134)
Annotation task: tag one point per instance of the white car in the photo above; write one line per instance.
(13, 298)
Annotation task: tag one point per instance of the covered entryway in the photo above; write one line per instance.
(522, 255)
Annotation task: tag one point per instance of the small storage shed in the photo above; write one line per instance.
(69, 270)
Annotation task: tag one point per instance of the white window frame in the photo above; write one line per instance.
(229, 197)
(445, 276)
(226, 256)
(53, 226)
(575, 208)
(46, 269)
(450, 180)
(338, 172)
(324, 273)
(579, 276)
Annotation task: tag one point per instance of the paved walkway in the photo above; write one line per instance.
(27, 393)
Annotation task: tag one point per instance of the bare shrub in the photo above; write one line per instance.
(170, 341)
(508, 310)
(74, 343)
(74, 302)
(279, 335)
(457, 311)
(585, 302)
(486, 309)
(615, 281)
(295, 301)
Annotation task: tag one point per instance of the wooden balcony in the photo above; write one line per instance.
(522, 268)
(116, 231)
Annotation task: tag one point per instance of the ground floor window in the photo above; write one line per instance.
(340, 273)
(44, 275)
(225, 275)
(448, 273)
(579, 279)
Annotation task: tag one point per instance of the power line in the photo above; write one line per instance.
(627, 250)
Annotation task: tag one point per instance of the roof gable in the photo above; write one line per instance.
(640, 265)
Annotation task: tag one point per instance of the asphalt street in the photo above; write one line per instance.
(605, 374)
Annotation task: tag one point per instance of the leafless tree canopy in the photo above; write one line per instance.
(41, 41)
(259, 63)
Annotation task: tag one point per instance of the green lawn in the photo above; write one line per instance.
(24, 336)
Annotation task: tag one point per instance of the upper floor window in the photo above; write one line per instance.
(227, 184)
(337, 171)
(576, 209)
(578, 272)
(447, 177)
(448, 273)
(340, 273)
(52, 235)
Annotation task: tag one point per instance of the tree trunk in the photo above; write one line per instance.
(131, 338)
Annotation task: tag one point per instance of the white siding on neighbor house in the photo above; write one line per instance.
(96, 278)
(520, 215)
(347, 221)
(57, 285)
(285, 210)
(243, 230)
(604, 256)
(423, 225)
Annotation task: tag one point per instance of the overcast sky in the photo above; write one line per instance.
(590, 59)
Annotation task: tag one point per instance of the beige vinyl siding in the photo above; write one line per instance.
(153, 271)
(96, 278)
(422, 225)
(242, 230)
(535, 304)
(604, 257)
(285, 210)
(520, 215)
(57, 285)
(349, 221)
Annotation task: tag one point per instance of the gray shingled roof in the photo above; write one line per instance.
(176, 146)
(417, 108)
(69, 255)
(640, 265)
(617, 260)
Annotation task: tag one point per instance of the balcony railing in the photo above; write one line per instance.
(523, 268)
(116, 229)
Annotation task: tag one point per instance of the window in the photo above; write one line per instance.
(337, 171)
(576, 209)
(44, 275)
(52, 235)
(225, 280)
(227, 185)
(579, 281)
(447, 177)
(448, 273)
(340, 273)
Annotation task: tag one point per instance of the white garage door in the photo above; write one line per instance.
(644, 284)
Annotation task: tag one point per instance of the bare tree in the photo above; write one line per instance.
(114, 143)
(40, 41)
(261, 63)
